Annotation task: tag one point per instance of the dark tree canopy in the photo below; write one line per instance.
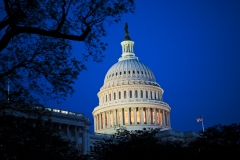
(217, 141)
(36, 37)
(139, 144)
(24, 138)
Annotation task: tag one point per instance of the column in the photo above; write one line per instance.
(84, 138)
(129, 120)
(135, 115)
(112, 122)
(108, 119)
(94, 118)
(115, 117)
(164, 123)
(155, 116)
(104, 120)
(100, 119)
(159, 117)
(76, 136)
(141, 115)
(121, 117)
(68, 133)
(148, 116)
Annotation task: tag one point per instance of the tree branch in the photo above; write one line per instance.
(4, 23)
(30, 30)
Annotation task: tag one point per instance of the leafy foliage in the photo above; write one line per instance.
(216, 141)
(36, 37)
(219, 140)
(138, 144)
(24, 138)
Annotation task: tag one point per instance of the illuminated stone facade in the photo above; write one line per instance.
(130, 97)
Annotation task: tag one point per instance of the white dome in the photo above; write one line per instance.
(129, 69)
(130, 96)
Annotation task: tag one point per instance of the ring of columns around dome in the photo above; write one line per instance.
(130, 97)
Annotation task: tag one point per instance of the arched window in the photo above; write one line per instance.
(119, 95)
(116, 73)
(106, 98)
(125, 94)
(133, 72)
(114, 96)
(141, 94)
(129, 72)
(137, 72)
(146, 94)
(155, 96)
(142, 72)
(150, 94)
(136, 94)
(130, 94)
(109, 97)
(120, 73)
(124, 72)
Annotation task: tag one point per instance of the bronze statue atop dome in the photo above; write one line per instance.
(127, 37)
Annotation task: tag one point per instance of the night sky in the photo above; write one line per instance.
(193, 49)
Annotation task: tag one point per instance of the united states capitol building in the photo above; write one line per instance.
(130, 97)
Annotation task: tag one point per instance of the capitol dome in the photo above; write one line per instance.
(130, 96)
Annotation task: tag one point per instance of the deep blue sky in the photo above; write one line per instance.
(193, 49)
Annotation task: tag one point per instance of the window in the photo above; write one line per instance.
(114, 96)
(150, 94)
(155, 96)
(133, 72)
(124, 72)
(116, 73)
(120, 73)
(109, 97)
(119, 95)
(137, 72)
(112, 74)
(141, 94)
(136, 94)
(146, 94)
(125, 94)
(142, 72)
(129, 72)
(106, 98)
(130, 94)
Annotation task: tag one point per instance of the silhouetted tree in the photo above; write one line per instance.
(23, 138)
(139, 144)
(217, 141)
(36, 37)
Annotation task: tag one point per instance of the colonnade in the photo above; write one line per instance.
(74, 133)
(131, 116)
